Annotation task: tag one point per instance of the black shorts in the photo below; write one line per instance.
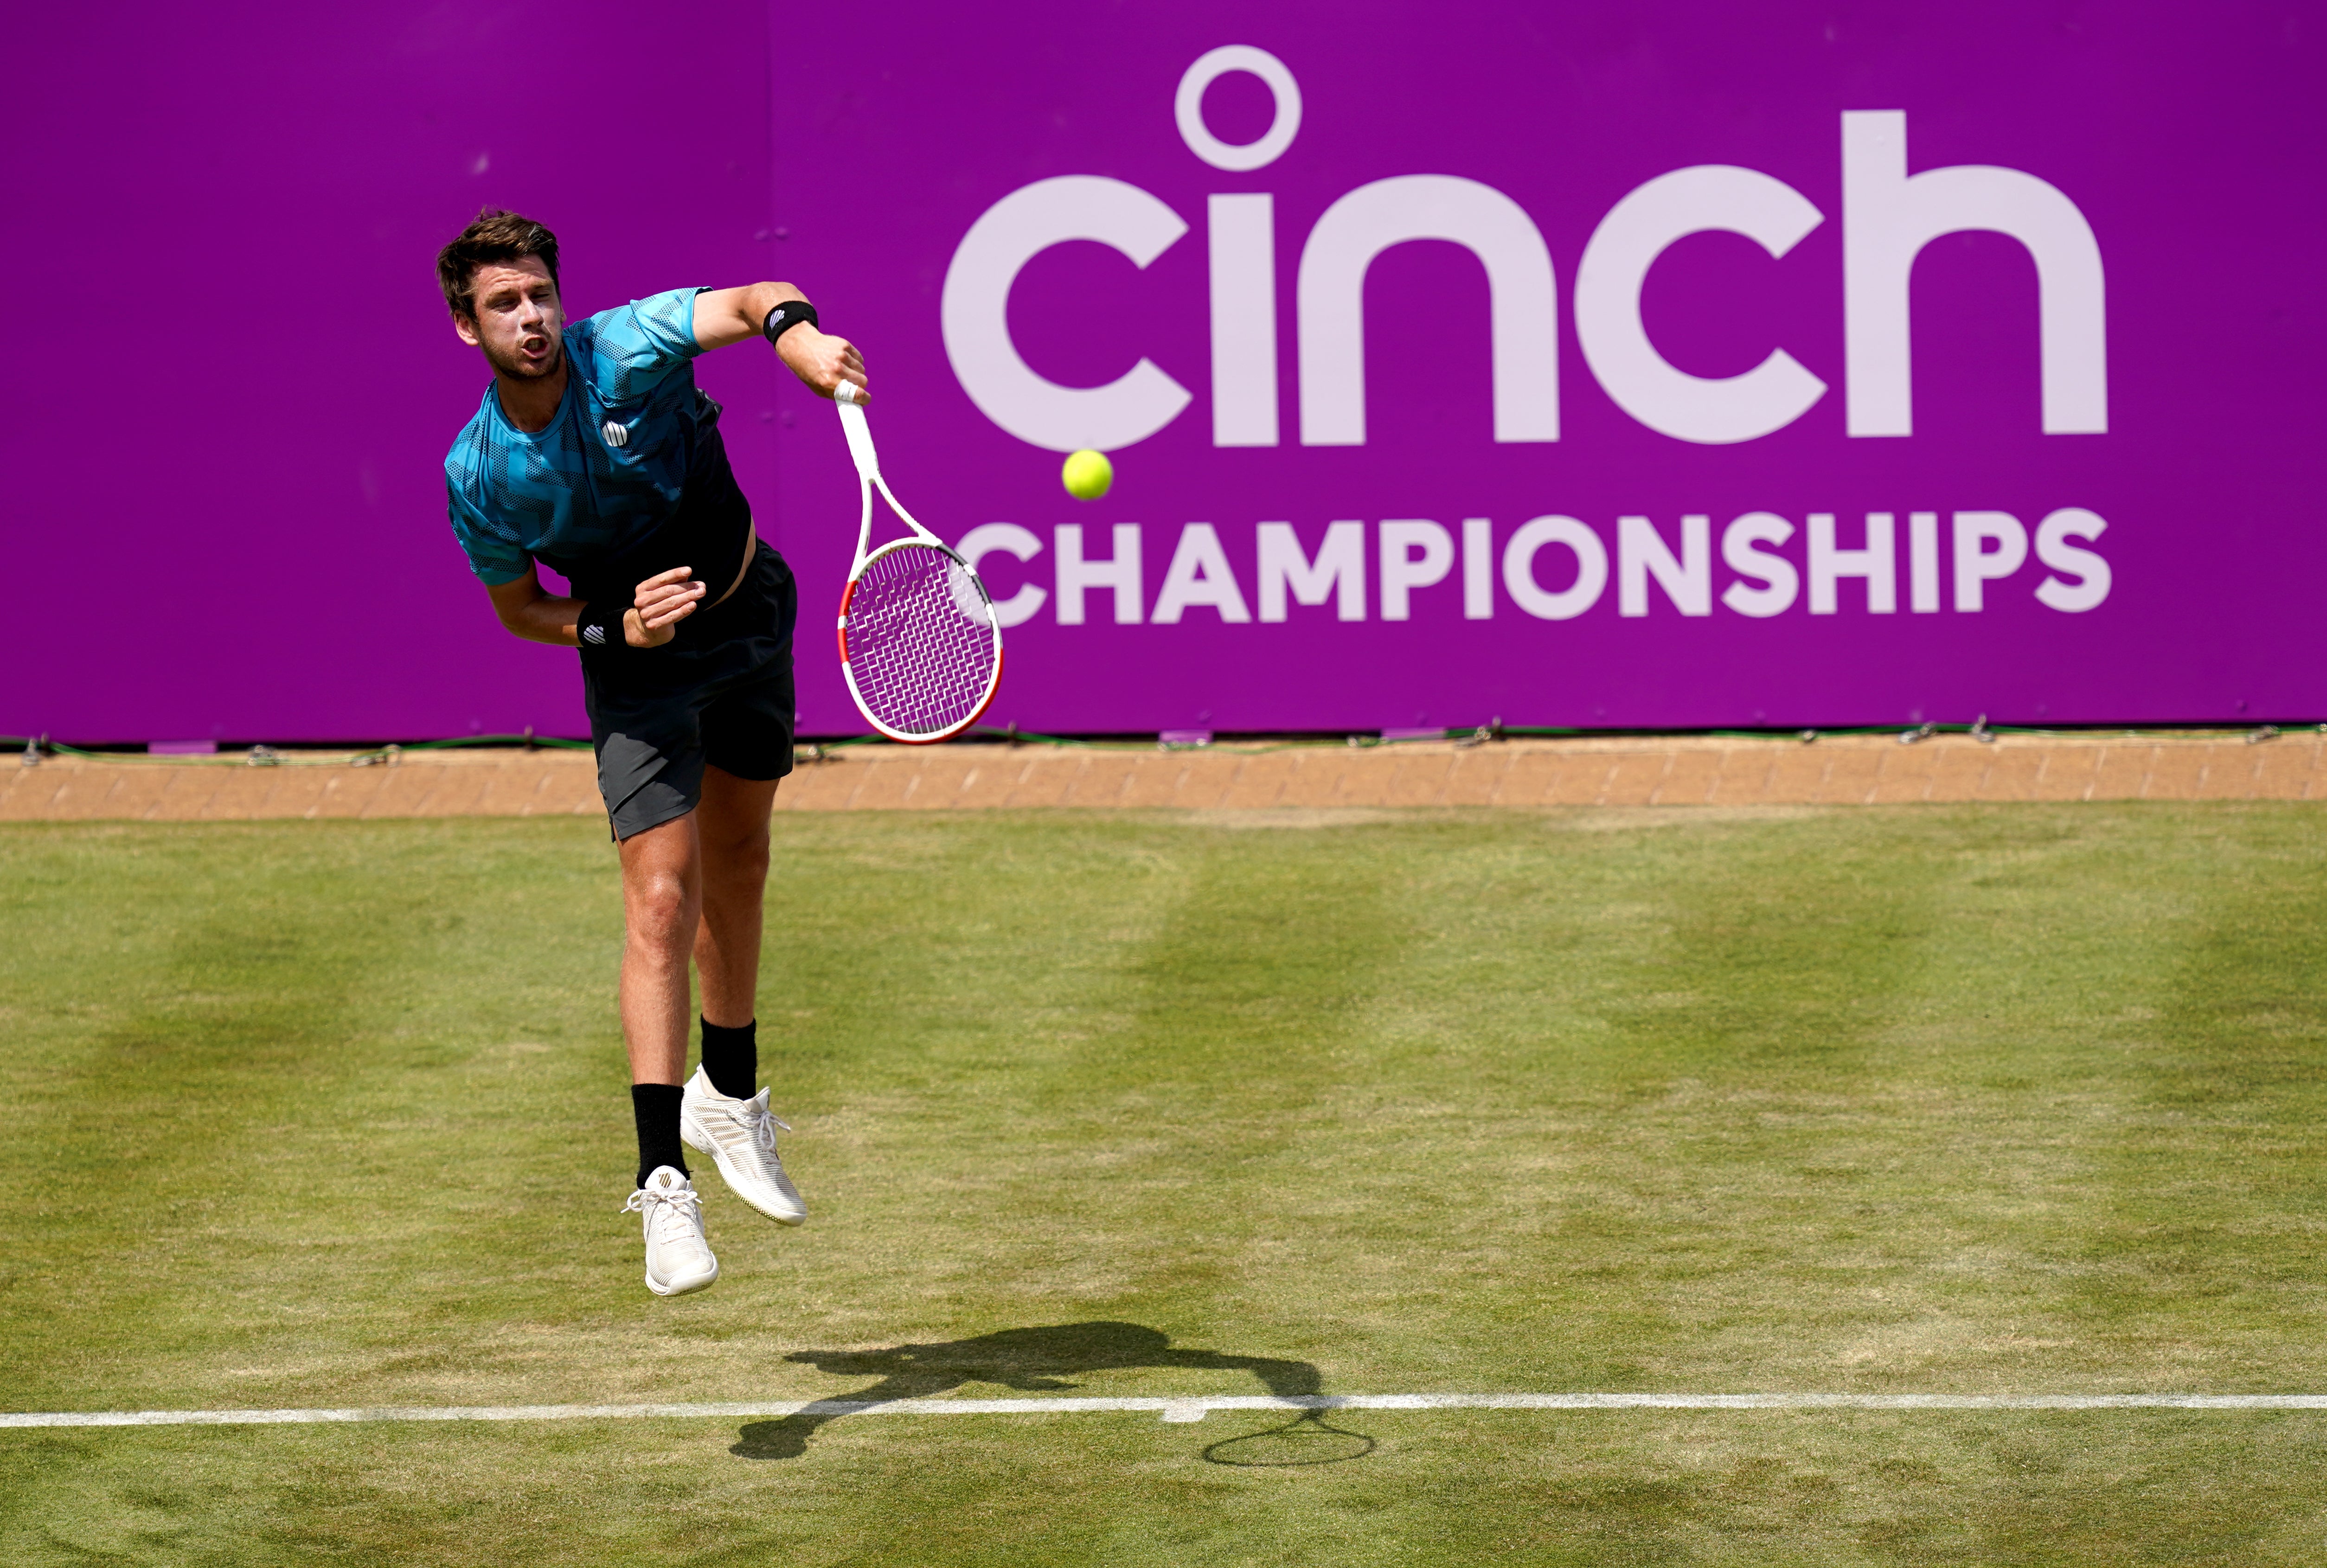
(719, 693)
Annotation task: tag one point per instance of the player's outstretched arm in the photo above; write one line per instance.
(734, 315)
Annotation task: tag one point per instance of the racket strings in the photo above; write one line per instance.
(921, 648)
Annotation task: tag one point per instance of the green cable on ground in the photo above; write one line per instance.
(266, 756)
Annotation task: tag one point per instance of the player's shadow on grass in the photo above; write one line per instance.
(1042, 1362)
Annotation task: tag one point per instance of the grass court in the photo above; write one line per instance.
(1965, 1099)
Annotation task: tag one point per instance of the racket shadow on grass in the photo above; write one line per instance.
(1044, 1360)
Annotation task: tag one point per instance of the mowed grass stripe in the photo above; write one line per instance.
(282, 1058)
(1886, 1103)
(2213, 1193)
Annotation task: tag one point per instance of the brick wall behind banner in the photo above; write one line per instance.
(1710, 365)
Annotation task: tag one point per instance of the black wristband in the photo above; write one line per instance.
(601, 626)
(785, 316)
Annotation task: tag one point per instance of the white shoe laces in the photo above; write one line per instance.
(666, 1207)
(764, 1124)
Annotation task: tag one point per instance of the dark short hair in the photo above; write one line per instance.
(492, 235)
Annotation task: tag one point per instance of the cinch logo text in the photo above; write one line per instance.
(1888, 217)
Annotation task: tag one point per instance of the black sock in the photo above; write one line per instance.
(656, 1105)
(731, 1058)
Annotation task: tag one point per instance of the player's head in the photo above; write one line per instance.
(499, 278)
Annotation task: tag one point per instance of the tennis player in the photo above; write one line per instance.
(595, 454)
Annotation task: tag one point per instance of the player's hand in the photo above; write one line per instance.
(822, 362)
(663, 601)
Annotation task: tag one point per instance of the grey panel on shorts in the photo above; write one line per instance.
(642, 787)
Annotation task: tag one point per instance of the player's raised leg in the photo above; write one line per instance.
(662, 905)
(725, 1114)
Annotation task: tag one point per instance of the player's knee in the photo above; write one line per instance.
(741, 861)
(663, 912)
(746, 862)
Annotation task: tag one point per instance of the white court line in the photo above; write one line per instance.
(1177, 1410)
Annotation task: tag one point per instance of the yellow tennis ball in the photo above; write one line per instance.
(1088, 475)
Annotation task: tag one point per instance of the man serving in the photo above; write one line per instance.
(595, 454)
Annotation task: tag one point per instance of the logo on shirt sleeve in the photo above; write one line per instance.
(615, 432)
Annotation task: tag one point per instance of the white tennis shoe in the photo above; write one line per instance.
(740, 1136)
(679, 1258)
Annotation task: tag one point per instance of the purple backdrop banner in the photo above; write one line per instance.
(1680, 365)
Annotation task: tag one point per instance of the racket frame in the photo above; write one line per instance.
(868, 479)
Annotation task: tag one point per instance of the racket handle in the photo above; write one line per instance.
(860, 434)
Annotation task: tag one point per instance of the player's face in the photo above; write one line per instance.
(520, 323)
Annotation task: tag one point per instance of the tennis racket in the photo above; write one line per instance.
(920, 645)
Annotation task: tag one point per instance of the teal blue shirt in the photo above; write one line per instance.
(612, 464)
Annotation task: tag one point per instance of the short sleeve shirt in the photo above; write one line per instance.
(612, 464)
